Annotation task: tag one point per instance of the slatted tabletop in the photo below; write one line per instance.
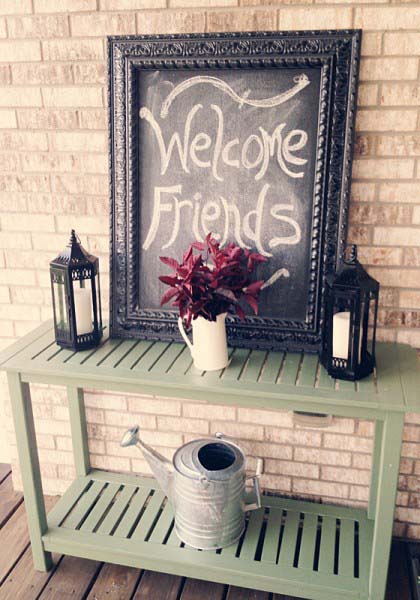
(322, 549)
(261, 378)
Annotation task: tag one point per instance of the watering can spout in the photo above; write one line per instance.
(162, 468)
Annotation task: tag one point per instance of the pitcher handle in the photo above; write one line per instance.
(256, 484)
(259, 469)
(184, 334)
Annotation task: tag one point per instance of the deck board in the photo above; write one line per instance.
(80, 578)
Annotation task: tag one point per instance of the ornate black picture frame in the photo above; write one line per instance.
(332, 57)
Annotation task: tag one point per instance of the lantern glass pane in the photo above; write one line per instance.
(341, 334)
(82, 290)
(61, 313)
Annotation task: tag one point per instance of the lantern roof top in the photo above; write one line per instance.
(74, 255)
(352, 274)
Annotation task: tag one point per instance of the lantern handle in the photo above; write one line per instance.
(352, 259)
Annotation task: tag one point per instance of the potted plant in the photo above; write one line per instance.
(208, 283)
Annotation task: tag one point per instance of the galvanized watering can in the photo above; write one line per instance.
(205, 483)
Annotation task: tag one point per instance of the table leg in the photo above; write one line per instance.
(78, 430)
(376, 457)
(388, 471)
(29, 464)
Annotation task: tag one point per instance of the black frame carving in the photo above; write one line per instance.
(337, 53)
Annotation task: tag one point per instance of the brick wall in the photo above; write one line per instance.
(53, 175)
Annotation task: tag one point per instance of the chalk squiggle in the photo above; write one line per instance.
(301, 81)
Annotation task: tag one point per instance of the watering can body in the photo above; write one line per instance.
(206, 485)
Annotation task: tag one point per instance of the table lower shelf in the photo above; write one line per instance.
(297, 548)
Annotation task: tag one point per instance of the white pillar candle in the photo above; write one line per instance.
(83, 309)
(341, 333)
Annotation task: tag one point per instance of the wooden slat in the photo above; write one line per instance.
(307, 546)
(5, 470)
(9, 499)
(346, 548)
(195, 588)
(71, 579)
(147, 361)
(325, 381)
(148, 517)
(168, 357)
(236, 365)
(308, 370)
(173, 539)
(114, 582)
(136, 353)
(67, 501)
(25, 341)
(238, 593)
(250, 543)
(327, 546)
(61, 357)
(102, 353)
(346, 386)
(108, 524)
(271, 367)
(254, 366)
(288, 544)
(367, 384)
(290, 368)
(119, 353)
(100, 507)
(161, 529)
(132, 512)
(272, 536)
(24, 582)
(83, 505)
(82, 356)
(158, 586)
(182, 363)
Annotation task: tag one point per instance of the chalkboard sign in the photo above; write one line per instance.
(247, 136)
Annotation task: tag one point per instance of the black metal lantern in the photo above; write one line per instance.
(351, 304)
(76, 297)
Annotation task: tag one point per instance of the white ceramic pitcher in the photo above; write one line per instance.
(209, 347)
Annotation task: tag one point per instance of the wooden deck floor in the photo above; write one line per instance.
(84, 579)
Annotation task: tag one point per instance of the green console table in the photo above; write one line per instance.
(291, 547)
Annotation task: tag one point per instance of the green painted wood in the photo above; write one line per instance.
(123, 478)
(374, 475)
(365, 552)
(67, 501)
(170, 355)
(271, 367)
(161, 529)
(83, 356)
(327, 546)
(77, 415)
(30, 471)
(346, 548)
(101, 353)
(149, 516)
(173, 539)
(62, 356)
(325, 381)
(254, 366)
(236, 366)
(83, 506)
(272, 536)
(182, 364)
(100, 507)
(24, 342)
(121, 503)
(204, 565)
(388, 370)
(308, 370)
(346, 386)
(409, 368)
(308, 542)
(367, 385)
(139, 350)
(288, 544)
(290, 368)
(385, 502)
(250, 541)
(147, 361)
(118, 354)
(136, 506)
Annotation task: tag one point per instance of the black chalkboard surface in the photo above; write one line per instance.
(254, 146)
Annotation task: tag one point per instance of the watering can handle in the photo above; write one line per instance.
(255, 478)
(184, 334)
